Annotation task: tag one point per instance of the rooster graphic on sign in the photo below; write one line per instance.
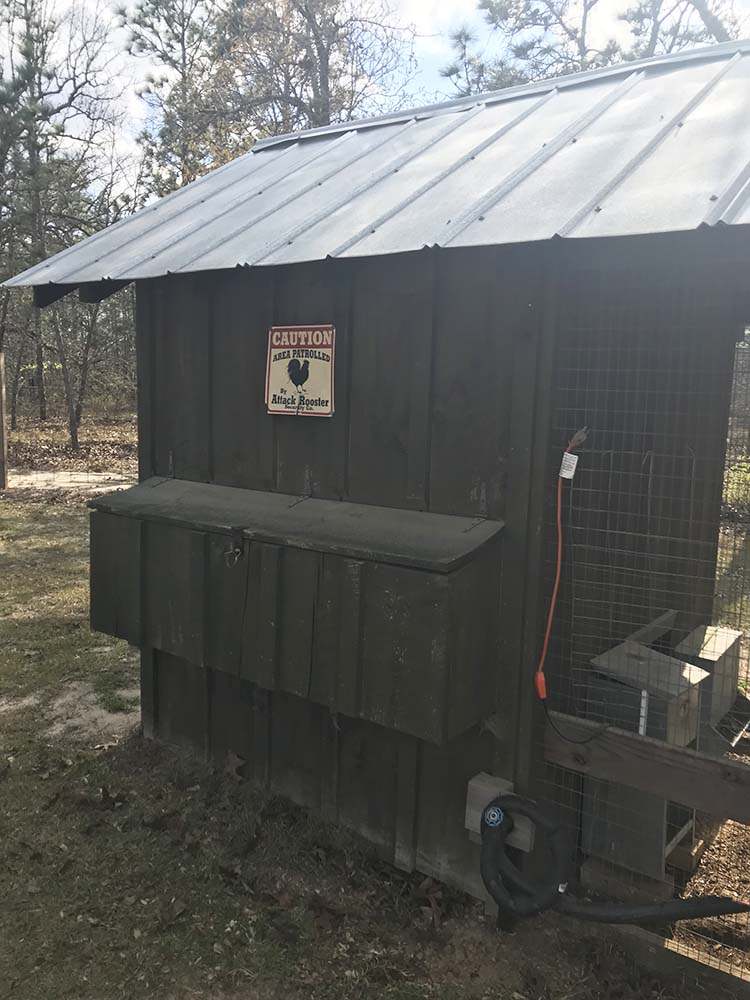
(298, 373)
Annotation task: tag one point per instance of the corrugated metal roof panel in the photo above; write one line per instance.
(651, 147)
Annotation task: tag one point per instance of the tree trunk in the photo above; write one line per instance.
(3, 428)
(4, 317)
(711, 21)
(67, 384)
(40, 387)
(17, 377)
(85, 360)
(653, 38)
(14, 393)
(37, 220)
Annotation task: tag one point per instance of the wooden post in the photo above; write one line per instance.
(714, 785)
(3, 428)
(529, 763)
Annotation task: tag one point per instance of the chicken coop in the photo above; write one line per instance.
(362, 351)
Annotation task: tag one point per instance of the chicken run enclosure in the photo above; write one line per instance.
(363, 352)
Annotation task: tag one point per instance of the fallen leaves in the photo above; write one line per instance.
(109, 801)
(429, 894)
(233, 764)
(160, 820)
(104, 446)
(326, 916)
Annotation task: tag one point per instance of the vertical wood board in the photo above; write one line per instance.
(181, 326)
(226, 600)
(174, 593)
(405, 650)
(391, 380)
(476, 321)
(261, 615)
(299, 585)
(115, 570)
(242, 431)
(311, 451)
(182, 709)
(146, 332)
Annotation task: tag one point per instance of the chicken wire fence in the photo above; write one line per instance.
(652, 629)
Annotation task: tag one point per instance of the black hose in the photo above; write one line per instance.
(516, 896)
(652, 913)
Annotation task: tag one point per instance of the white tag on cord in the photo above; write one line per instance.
(568, 465)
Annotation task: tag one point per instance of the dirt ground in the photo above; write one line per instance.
(129, 869)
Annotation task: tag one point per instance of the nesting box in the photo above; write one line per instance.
(374, 613)
(717, 651)
(648, 692)
(642, 690)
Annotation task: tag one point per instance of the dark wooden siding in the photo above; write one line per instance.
(180, 383)
(115, 548)
(390, 381)
(424, 348)
(311, 453)
(241, 435)
(404, 796)
(479, 313)
(409, 649)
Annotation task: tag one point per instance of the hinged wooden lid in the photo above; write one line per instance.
(436, 542)
(646, 669)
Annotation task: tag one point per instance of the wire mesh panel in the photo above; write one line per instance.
(652, 625)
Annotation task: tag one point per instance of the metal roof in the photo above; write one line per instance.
(661, 145)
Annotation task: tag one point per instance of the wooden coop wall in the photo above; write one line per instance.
(434, 354)
(424, 348)
(404, 795)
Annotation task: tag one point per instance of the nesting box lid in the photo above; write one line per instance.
(708, 642)
(436, 542)
(648, 670)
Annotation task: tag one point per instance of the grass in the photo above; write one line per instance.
(45, 637)
(109, 687)
(131, 869)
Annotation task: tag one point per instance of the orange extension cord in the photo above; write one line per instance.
(540, 681)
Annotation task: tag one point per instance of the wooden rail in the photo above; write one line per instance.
(713, 785)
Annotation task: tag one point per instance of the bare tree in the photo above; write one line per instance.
(57, 121)
(664, 26)
(304, 63)
(229, 74)
(178, 37)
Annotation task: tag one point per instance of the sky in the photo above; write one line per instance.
(434, 20)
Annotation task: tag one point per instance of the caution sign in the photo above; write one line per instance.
(299, 371)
